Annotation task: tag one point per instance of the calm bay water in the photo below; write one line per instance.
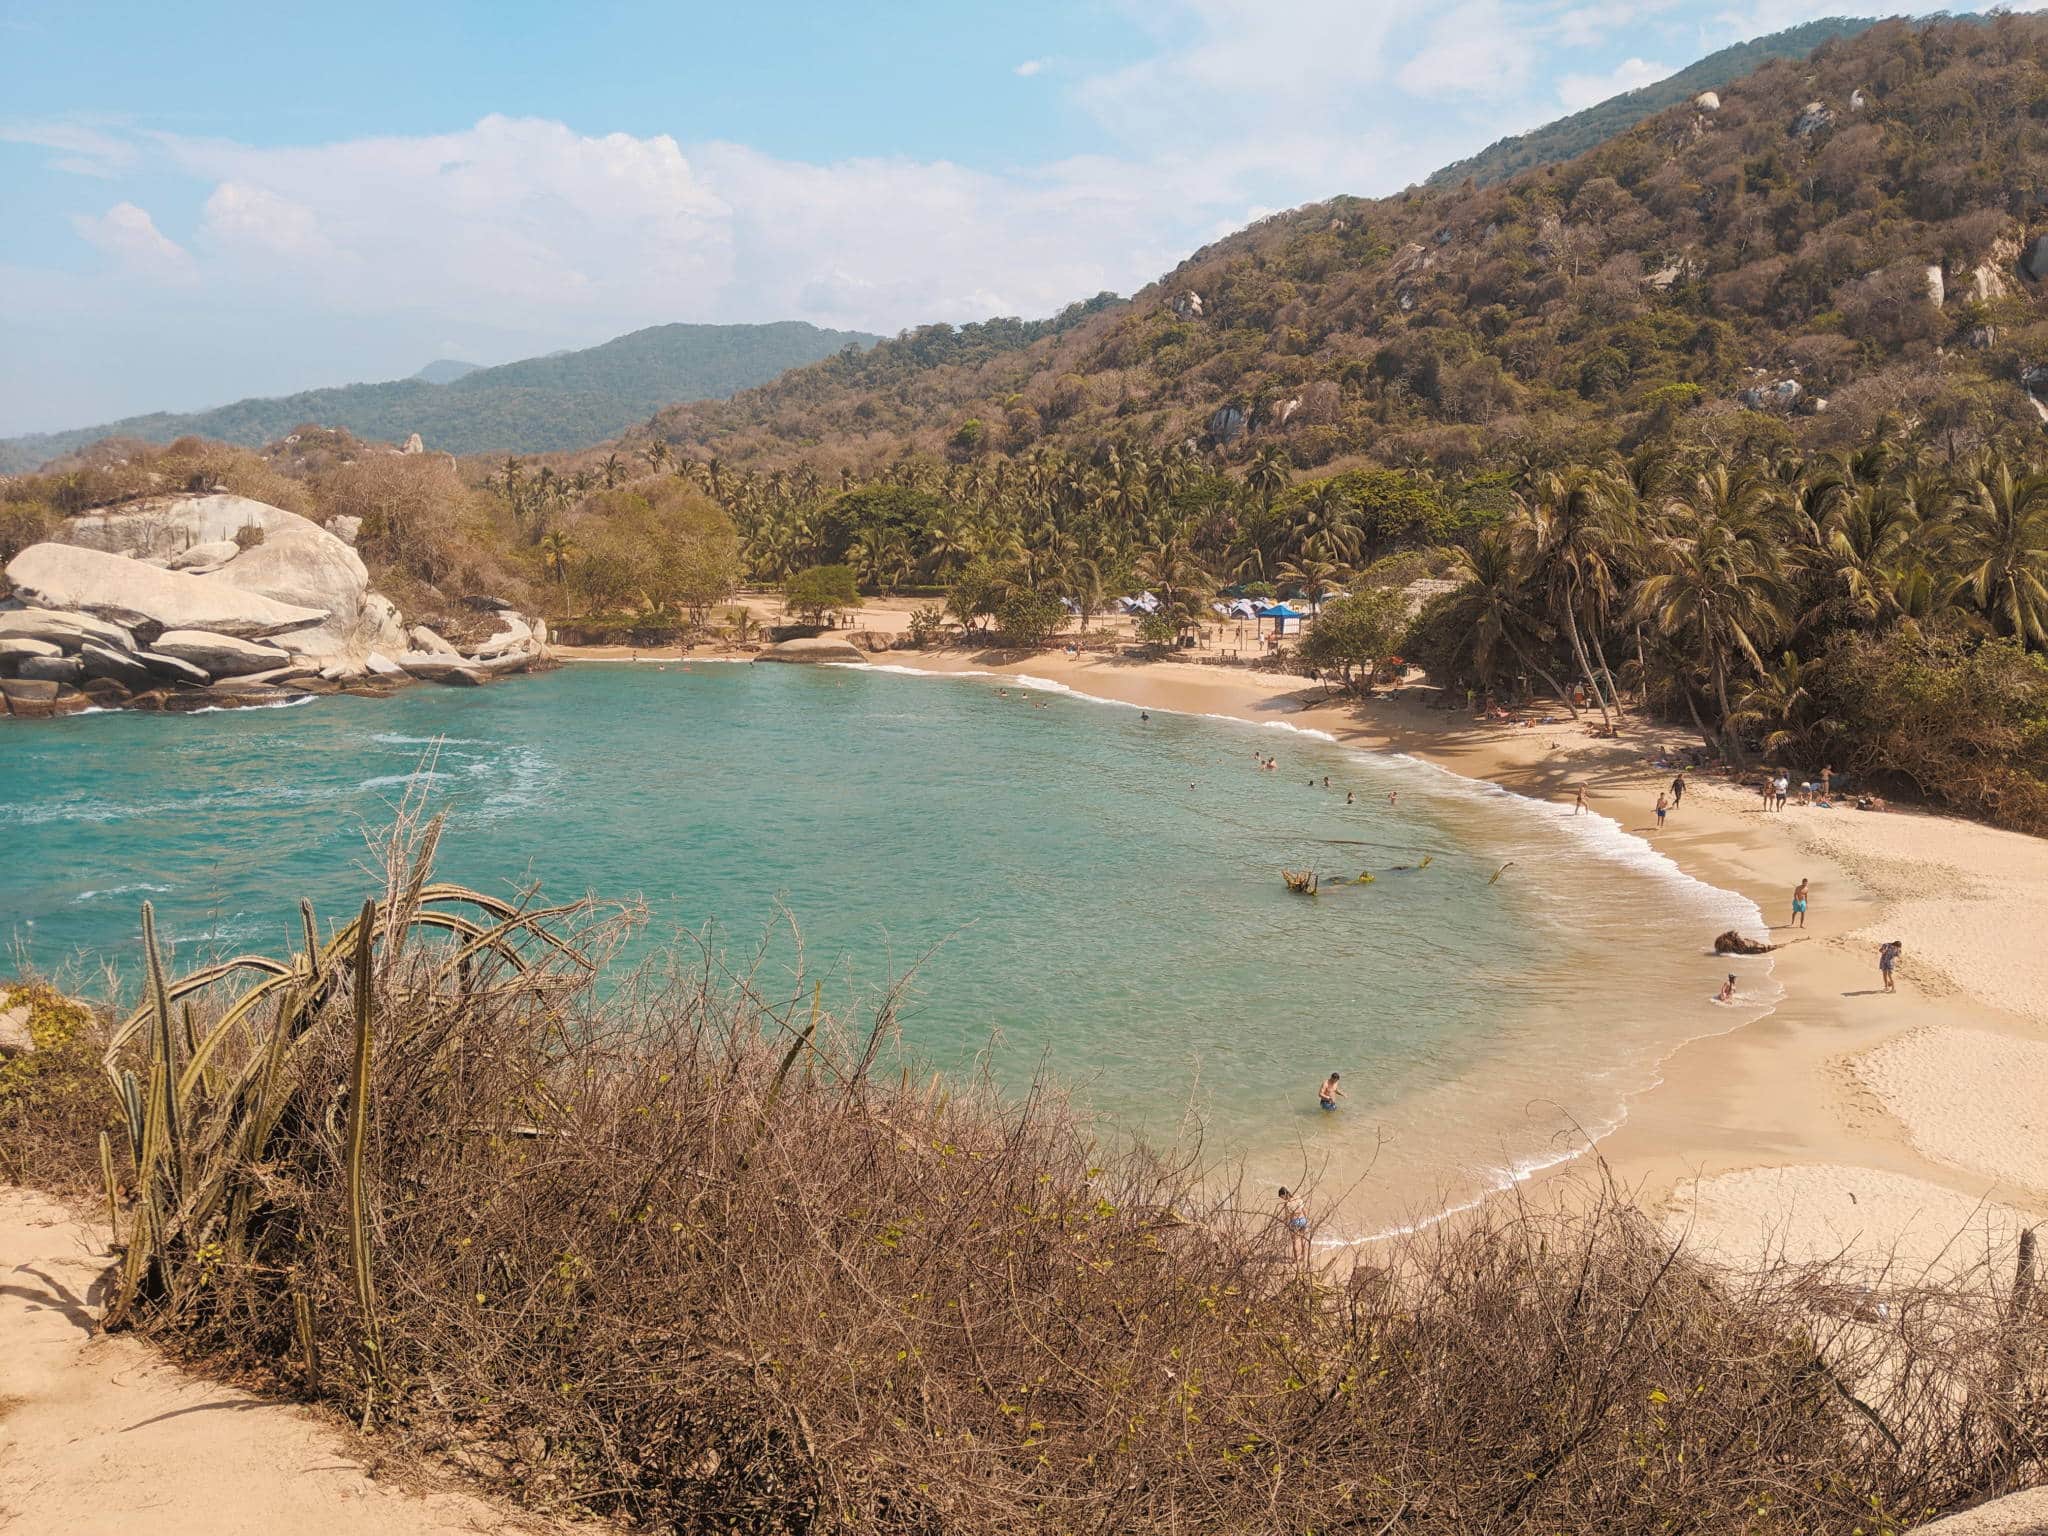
(1093, 892)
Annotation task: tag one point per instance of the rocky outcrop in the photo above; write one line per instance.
(2033, 260)
(1188, 306)
(144, 597)
(66, 630)
(207, 592)
(15, 649)
(220, 655)
(414, 445)
(442, 669)
(1816, 117)
(67, 670)
(1707, 101)
(32, 698)
(813, 648)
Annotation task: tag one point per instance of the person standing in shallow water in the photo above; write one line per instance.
(1579, 801)
(1330, 1092)
(1799, 904)
(1294, 1214)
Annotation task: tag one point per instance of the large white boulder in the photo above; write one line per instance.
(219, 655)
(432, 668)
(135, 595)
(68, 630)
(21, 648)
(430, 641)
(169, 526)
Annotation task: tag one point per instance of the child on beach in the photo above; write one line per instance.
(1887, 962)
(1663, 805)
(1799, 904)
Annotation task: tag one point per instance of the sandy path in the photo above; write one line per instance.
(101, 1437)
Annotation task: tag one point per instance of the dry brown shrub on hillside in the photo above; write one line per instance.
(692, 1252)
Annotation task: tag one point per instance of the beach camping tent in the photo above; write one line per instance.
(1144, 602)
(1280, 614)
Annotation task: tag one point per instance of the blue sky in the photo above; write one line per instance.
(204, 201)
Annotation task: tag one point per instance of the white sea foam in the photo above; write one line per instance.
(122, 890)
(394, 739)
(399, 780)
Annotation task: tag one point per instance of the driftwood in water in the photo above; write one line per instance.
(1733, 943)
(1302, 880)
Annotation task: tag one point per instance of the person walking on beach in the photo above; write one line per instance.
(1294, 1215)
(1783, 786)
(1678, 791)
(1888, 961)
(1663, 805)
(1799, 903)
(1330, 1092)
(1579, 800)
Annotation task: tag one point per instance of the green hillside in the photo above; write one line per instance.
(537, 405)
(1574, 135)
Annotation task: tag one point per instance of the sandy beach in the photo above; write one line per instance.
(1846, 1120)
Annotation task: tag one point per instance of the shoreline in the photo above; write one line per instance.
(1829, 1123)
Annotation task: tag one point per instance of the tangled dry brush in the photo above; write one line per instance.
(682, 1254)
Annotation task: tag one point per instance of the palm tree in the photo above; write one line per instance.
(1564, 545)
(656, 453)
(1493, 607)
(1775, 706)
(555, 550)
(614, 471)
(1268, 473)
(2001, 542)
(1316, 579)
(1718, 584)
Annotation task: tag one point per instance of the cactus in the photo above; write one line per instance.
(113, 1197)
(358, 1134)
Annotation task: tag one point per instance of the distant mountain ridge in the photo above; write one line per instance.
(446, 370)
(1569, 136)
(537, 405)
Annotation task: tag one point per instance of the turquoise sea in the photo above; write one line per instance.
(1068, 884)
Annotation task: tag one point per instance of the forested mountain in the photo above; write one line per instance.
(1789, 242)
(1580, 131)
(536, 405)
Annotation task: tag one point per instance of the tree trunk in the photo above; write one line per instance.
(1571, 628)
(1606, 672)
(1729, 741)
(1555, 687)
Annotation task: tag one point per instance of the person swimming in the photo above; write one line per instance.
(1330, 1092)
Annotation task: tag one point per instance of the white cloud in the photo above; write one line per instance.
(130, 235)
(83, 149)
(1575, 92)
(1476, 49)
(1029, 68)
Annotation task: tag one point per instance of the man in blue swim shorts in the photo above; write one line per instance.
(1330, 1093)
